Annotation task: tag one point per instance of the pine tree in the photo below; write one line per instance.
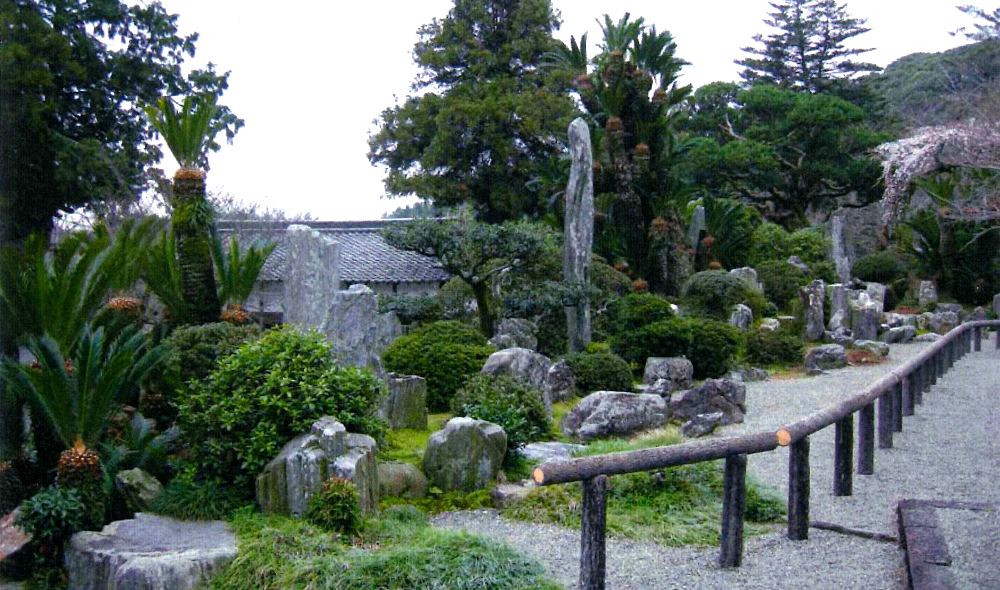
(808, 52)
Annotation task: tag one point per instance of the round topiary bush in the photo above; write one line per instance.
(713, 292)
(443, 353)
(634, 311)
(599, 371)
(516, 407)
(666, 338)
(336, 507)
(773, 348)
(713, 348)
(880, 267)
(266, 393)
(781, 282)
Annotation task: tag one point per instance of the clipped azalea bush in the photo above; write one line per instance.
(714, 345)
(267, 392)
(666, 338)
(632, 312)
(444, 353)
(516, 407)
(713, 292)
(776, 347)
(879, 267)
(781, 281)
(599, 371)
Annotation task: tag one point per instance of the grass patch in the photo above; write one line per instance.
(678, 506)
(187, 500)
(395, 550)
(407, 445)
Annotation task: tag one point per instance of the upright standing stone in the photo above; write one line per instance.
(749, 276)
(405, 404)
(865, 316)
(838, 303)
(876, 292)
(312, 276)
(579, 230)
(696, 227)
(812, 296)
(927, 293)
(351, 326)
(388, 329)
(840, 258)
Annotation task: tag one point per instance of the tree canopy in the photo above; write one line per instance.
(75, 77)
(484, 120)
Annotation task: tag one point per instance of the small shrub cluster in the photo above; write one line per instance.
(264, 394)
(710, 344)
(336, 507)
(712, 293)
(880, 267)
(444, 353)
(634, 311)
(599, 371)
(773, 348)
(185, 499)
(771, 242)
(51, 517)
(713, 347)
(516, 407)
(781, 282)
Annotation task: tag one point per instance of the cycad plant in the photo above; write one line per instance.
(237, 274)
(188, 133)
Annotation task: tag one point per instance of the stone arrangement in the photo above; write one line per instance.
(466, 455)
(724, 396)
(522, 365)
(613, 413)
(515, 333)
(579, 230)
(405, 403)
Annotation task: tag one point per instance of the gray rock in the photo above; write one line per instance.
(351, 326)
(873, 346)
(138, 488)
(401, 480)
(976, 315)
(662, 387)
(405, 403)
(713, 395)
(749, 276)
(506, 495)
(769, 325)
(465, 455)
(876, 292)
(929, 337)
(952, 307)
(522, 365)
(149, 552)
(839, 309)
(839, 249)
(786, 321)
(924, 320)
(540, 452)
(826, 356)
(559, 382)
(312, 276)
(748, 374)
(996, 305)
(899, 334)
(838, 321)
(610, 413)
(943, 322)
(307, 461)
(676, 369)
(701, 425)
(741, 317)
(797, 263)
(578, 230)
(812, 296)
(927, 294)
(865, 316)
(387, 330)
(841, 336)
(895, 320)
(520, 332)
(697, 226)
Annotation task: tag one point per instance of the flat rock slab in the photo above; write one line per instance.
(149, 552)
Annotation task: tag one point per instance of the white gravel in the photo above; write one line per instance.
(946, 451)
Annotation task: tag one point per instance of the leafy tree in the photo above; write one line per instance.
(484, 119)
(807, 52)
(476, 252)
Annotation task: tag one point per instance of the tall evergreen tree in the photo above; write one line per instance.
(484, 119)
(807, 52)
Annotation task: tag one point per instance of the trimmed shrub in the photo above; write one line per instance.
(634, 311)
(810, 244)
(880, 267)
(713, 347)
(713, 292)
(773, 348)
(664, 338)
(51, 517)
(267, 392)
(336, 507)
(771, 242)
(443, 353)
(781, 282)
(516, 407)
(825, 271)
(599, 371)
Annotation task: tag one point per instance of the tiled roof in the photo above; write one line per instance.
(364, 255)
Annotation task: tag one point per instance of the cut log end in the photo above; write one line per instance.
(784, 437)
(538, 475)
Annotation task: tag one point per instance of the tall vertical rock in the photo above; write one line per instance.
(839, 245)
(312, 276)
(812, 296)
(579, 230)
(351, 326)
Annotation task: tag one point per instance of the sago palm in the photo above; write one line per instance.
(187, 134)
(237, 274)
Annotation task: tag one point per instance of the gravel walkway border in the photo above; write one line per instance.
(918, 466)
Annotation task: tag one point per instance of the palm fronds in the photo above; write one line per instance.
(162, 274)
(188, 132)
(236, 273)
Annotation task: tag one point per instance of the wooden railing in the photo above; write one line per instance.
(896, 395)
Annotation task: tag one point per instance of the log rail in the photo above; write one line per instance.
(896, 394)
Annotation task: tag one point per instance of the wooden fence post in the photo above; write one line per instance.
(798, 490)
(734, 500)
(592, 527)
(908, 382)
(978, 342)
(885, 421)
(897, 407)
(866, 440)
(996, 333)
(843, 456)
(922, 383)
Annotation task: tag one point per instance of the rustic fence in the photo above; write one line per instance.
(897, 394)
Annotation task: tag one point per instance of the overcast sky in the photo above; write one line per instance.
(309, 78)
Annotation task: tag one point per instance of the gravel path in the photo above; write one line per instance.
(961, 410)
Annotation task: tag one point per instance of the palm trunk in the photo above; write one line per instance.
(193, 224)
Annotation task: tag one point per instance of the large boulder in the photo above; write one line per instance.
(840, 311)
(741, 317)
(351, 326)
(865, 316)
(522, 365)
(976, 315)
(880, 349)
(466, 455)
(138, 488)
(405, 403)
(769, 325)
(798, 263)
(927, 294)
(876, 292)
(749, 276)
(518, 331)
(149, 552)
(841, 336)
(540, 452)
(559, 382)
(307, 461)
(401, 480)
(899, 334)
(812, 296)
(677, 370)
(312, 276)
(701, 425)
(826, 356)
(387, 329)
(713, 395)
(613, 413)
(943, 322)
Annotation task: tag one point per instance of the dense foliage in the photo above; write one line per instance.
(709, 344)
(633, 311)
(781, 282)
(51, 517)
(186, 499)
(776, 347)
(713, 293)
(335, 507)
(599, 371)
(516, 407)
(444, 353)
(879, 267)
(264, 394)
(713, 348)
(772, 242)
